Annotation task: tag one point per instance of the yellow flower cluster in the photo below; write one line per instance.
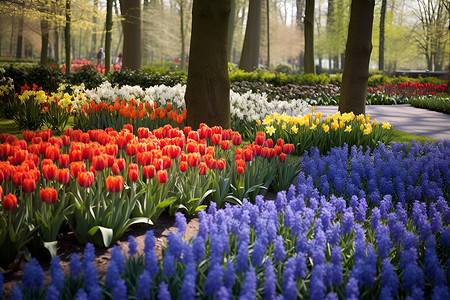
(335, 122)
(39, 96)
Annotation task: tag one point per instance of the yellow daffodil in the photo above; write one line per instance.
(283, 126)
(270, 130)
(359, 117)
(348, 128)
(325, 127)
(374, 122)
(258, 122)
(328, 118)
(313, 127)
(361, 127)
(341, 124)
(312, 108)
(317, 121)
(386, 125)
(319, 115)
(294, 129)
(335, 125)
(367, 130)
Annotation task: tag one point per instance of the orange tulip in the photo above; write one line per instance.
(9, 202)
(28, 185)
(49, 171)
(86, 179)
(133, 172)
(149, 172)
(63, 176)
(114, 183)
(162, 176)
(48, 195)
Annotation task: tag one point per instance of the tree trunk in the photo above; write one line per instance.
(357, 56)
(183, 53)
(108, 26)
(208, 86)
(309, 37)
(20, 38)
(132, 34)
(94, 32)
(231, 26)
(330, 27)
(56, 35)
(300, 5)
(382, 23)
(268, 33)
(67, 37)
(44, 40)
(250, 49)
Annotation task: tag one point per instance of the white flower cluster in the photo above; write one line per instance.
(246, 107)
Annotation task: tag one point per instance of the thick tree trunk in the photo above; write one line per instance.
(309, 37)
(20, 38)
(382, 23)
(44, 40)
(250, 49)
(94, 48)
(108, 26)
(208, 86)
(268, 33)
(67, 37)
(357, 56)
(132, 34)
(231, 26)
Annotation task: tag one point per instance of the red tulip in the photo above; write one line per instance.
(9, 202)
(133, 172)
(174, 151)
(193, 135)
(143, 132)
(149, 172)
(115, 168)
(240, 166)
(282, 157)
(247, 155)
(280, 142)
(5, 149)
(194, 159)
(48, 195)
(121, 163)
(86, 179)
(64, 160)
(183, 166)
(66, 140)
(75, 155)
(216, 139)
(221, 164)
(20, 156)
(28, 185)
(34, 149)
(114, 183)
(22, 144)
(237, 139)
(49, 171)
(77, 167)
(28, 135)
(225, 145)
(191, 147)
(203, 168)
(260, 138)
(288, 148)
(112, 149)
(63, 176)
(186, 130)
(269, 143)
(1, 190)
(85, 138)
(131, 149)
(162, 176)
(99, 162)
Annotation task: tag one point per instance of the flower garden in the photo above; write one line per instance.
(355, 216)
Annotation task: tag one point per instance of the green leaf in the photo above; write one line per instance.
(107, 234)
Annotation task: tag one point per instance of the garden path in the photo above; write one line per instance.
(407, 118)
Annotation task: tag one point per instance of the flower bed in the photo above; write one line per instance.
(304, 244)
(103, 181)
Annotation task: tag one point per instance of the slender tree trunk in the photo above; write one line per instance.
(67, 37)
(382, 23)
(183, 52)
(20, 38)
(309, 37)
(94, 32)
(231, 26)
(357, 57)
(44, 40)
(299, 20)
(12, 38)
(250, 49)
(132, 34)
(108, 25)
(268, 33)
(208, 86)
(330, 31)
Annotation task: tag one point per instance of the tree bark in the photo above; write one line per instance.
(309, 37)
(268, 33)
(132, 34)
(231, 26)
(108, 27)
(67, 37)
(382, 23)
(208, 86)
(94, 48)
(250, 49)
(299, 20)
(357, 56)
(44, 40)
(20, 38)
(183, 52)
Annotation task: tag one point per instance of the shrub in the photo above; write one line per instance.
(432, 102)
(88, 75)
(284, 68)
(44, 76)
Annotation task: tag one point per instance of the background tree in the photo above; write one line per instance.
(250, 50)
(357, 57)
(300, 4)
(108, 28)
(132, 34)
(67, 36)
(309, 37)
(208, 86)
(381, 46)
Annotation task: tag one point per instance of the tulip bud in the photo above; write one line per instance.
(162, 176)
(9, 202)
(48, 195)
(133, 172)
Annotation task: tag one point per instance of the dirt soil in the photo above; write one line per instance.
(67, 244)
